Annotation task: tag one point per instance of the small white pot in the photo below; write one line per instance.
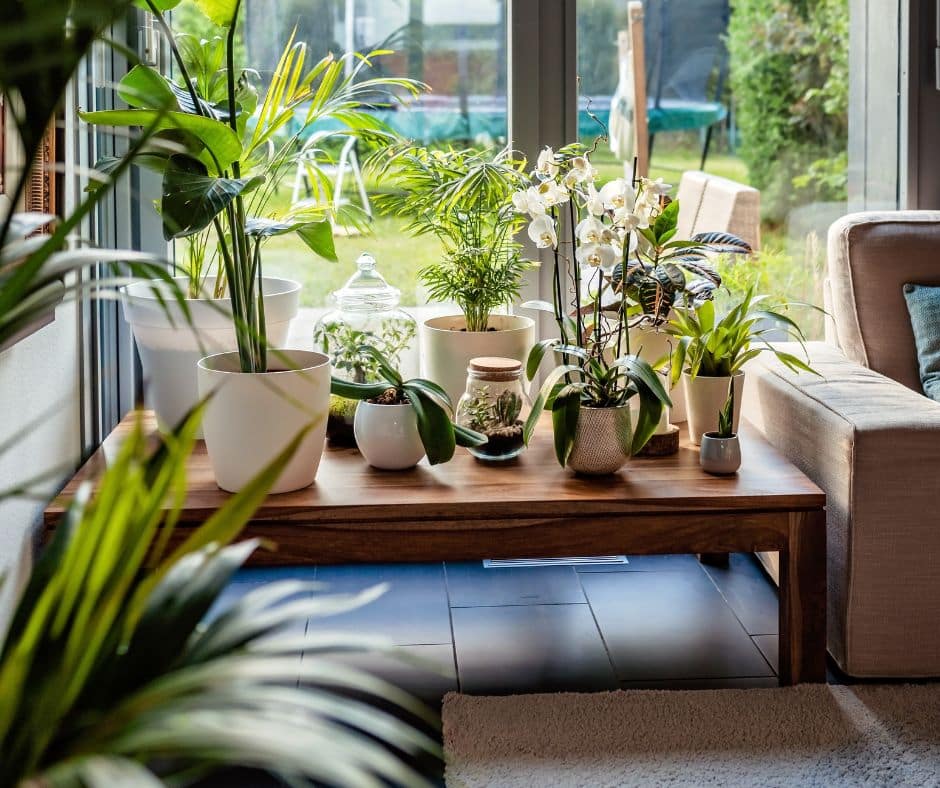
(720, 456)
(387, 436)
(705, 397)
(253, 416)
(446, 347)
(602, 441)
(169, 350)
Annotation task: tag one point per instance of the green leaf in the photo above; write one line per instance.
(192, 199)
(144, 87)
(565, 411)
(434, 426)
(214, 135)
(650, 411)
(638, 369)
(665, 224)
(547, 387)
(357, 391)
(318, 235)
(468, 438)
(221, 12)
(536, 355)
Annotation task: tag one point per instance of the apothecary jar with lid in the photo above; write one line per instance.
(495, 404)
(367, 313)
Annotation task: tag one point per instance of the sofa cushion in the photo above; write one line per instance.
(923, 303)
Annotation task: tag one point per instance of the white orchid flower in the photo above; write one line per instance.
(581, 170)
(529, 202)
(546, 163)
(630, 220)
(590, 231)
(593, 201)
(656, 188)
(596, 255)
(542, 231)
(615, 194)
(552, 193)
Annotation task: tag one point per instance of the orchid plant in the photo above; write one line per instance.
(596, 369)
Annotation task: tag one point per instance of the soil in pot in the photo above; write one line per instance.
(502, 443)
(388, 397)
(339, 424)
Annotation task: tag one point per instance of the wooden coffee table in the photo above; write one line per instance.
(466, 510)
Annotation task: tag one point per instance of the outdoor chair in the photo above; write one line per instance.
(348, 160)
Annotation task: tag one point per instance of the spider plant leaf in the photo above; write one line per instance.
(565, 411)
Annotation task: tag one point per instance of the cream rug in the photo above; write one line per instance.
(810, 735)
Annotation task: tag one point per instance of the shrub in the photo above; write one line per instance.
(789, 76)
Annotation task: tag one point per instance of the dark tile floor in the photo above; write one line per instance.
(658, 621)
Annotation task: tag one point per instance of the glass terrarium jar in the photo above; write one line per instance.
(367, 313)
(495, 404)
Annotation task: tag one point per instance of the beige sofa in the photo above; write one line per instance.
(868, 436)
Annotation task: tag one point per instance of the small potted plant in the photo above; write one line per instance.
(400, 421)
(711, 350)
(464, 198)
(720, 452)
(595, 378)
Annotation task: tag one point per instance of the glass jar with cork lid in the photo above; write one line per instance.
(495, 404)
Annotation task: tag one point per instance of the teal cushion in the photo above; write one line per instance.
(923, 304)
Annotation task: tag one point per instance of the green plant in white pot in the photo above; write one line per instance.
(220, 168)
(463, 198)
(230, 164)
(711, 350)
(398, 421)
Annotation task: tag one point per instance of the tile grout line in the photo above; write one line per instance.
(736, 616)
(597, 625)
(450, 618)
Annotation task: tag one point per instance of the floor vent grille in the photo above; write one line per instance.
(505, 563)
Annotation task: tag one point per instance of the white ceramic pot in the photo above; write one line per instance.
(446, 347)
(387, 436)
(720, 456)
(253, 416)
(705, 397)
(602, 441)
(652, 345)
(169, 350)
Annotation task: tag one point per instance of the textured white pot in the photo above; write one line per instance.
(387, 436)
(169, 350)
(704, 398)
(602, 441)
(253, 416)
(446, 349)
(720, 456)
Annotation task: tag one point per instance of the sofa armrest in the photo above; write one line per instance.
(873, 445)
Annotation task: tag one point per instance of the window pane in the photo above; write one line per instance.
(762, 87)
(457, 48)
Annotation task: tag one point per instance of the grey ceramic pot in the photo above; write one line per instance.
(721, 456)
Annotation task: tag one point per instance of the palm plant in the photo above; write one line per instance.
(230, 159)
(432, 407)
(111, 674)
(719, 346)
(464, 198)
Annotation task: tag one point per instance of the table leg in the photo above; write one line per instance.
(803, 600)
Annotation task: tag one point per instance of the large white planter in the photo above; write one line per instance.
(446, 347)
(705, 397)
(602, 442)
(169, 350)
(253, 416)
(387, 436)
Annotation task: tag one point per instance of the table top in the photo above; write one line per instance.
(533, 485)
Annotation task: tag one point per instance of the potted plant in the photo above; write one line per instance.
(590, 390)
(219, 172)
(221, 179)
(464, 198)
(399, 421)
(711, 350)
(720, 452)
